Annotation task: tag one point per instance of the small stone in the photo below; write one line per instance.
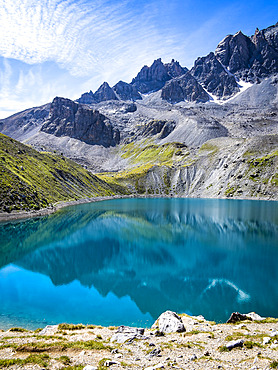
(266, 340)
(159, 333)
(110, 363)
(114, 351)
(192, 358)
(151, 345)
(275, 341)
(82, 353)
(180, 356)
(206, 353)
(154, 352)
(274, 333)
(89, 367)
(118, 355)
(239, 326)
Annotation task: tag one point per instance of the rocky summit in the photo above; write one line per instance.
(251, 58)
(211, 131)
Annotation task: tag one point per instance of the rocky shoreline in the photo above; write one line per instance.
(18, 215)
(174, 342)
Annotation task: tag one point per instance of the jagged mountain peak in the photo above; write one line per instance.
(250, 58)
(105, 92)
(153, 78)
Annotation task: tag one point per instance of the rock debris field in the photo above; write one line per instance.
(174, 342)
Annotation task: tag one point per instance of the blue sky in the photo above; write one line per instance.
(67, 47)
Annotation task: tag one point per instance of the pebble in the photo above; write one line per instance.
(118, 355)
(89, 367)
(110, 363)
(274, 332)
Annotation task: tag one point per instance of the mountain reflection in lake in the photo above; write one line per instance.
(126, 261)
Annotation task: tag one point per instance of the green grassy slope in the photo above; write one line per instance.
(33, 180)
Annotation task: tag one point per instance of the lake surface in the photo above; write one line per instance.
(126, 261)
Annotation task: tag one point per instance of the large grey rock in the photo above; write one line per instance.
(169, 322)
(212, 75)
(49, 330)
(184, 88)
(254, 316)
(67, 118)
(236, 317)
(234, 343)
(127, 333)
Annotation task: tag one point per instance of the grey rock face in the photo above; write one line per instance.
(67, 118)
(154, 127)
(105, 92)
(235, 51)
(211, 74)
(250, 58)
(19, 125)
(87, 98)
(154, 77)
(126, 91)
(183, 88)
(127, 333)
(169, 322)
(174, 69)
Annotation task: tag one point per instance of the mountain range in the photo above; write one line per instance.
(208, 131)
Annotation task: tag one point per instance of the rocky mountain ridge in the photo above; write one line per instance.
(163, 133)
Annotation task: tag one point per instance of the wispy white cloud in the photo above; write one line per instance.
(82, 36)
(91, 41)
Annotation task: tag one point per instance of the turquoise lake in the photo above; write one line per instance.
(126, 261)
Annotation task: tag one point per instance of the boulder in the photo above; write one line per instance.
(254, 316)
(49, 330)
(234, 343)
(236, 317)
(127, 333)
(169, 322)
